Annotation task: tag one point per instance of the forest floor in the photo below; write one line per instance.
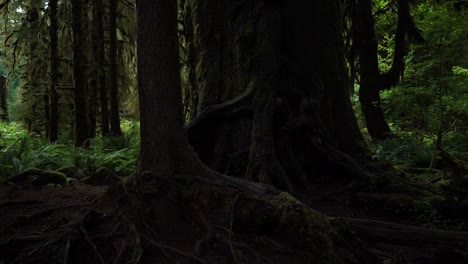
(394, 235)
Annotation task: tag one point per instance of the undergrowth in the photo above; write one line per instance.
(20, 150)
(417, 151)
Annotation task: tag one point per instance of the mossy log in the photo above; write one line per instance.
(72, 172)
(39, 178)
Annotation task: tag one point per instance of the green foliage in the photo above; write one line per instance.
(407, 150)
(20, 151)
(430, 105)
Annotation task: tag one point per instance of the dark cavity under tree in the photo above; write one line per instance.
(273, 92)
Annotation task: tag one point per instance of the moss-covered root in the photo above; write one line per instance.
(39, 178)
(282, 217)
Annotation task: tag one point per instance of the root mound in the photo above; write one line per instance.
(169, 222)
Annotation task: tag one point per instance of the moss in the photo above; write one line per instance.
(26, 175)
(296, 216)
(309, 227)
(50, 177)
(72, 172)
(280, 217)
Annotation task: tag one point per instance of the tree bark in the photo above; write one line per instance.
(164, 147)
(100, 53)
(3, 98)
(280, 88)
(158, 79)
(81, 122)
(114, 90)
(372, 81)
(54, 64)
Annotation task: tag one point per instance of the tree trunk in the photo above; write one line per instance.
(372, 81)
(3, 98)
(81, 122)
(92, 107)
(114, 90)
(54, 64)
(369, 93)
(289, 92)
(162, 134)
(164, 146)
(99, 52)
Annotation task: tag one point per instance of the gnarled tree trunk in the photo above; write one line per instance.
(372, 81)
(273, 91)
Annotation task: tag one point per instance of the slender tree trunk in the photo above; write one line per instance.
(81, 122)
(369, 93)
(34, 71)
(114, 91)
(372, 81)
(3, 98)
(92, 107)
(54, 64)
(46, 102)
(100, 53)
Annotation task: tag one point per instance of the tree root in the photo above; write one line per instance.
(174, 250)
(247, 226)
(417, 244)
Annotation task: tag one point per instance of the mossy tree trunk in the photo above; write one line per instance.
(100, 53)
(113, 71)
(273, 91)
(164, 147)
(3, 98)
(54, 64)
(372, 81)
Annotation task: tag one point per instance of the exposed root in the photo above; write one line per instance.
(208, 237)
(90, 243)
(19, 202)
(174, 250)
(230, 229)
(66, 252)
(205, 223)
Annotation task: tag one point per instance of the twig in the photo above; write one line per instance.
(154, 243)
(67, 250)
(230, 228)
(85, 233)
(137, 248)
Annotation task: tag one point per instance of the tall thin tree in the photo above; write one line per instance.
(99, 49)
(79, 86)
(114, 90)
(372, 80)
(54, 64)
(3, 98)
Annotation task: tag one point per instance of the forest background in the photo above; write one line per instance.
(416, 119)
